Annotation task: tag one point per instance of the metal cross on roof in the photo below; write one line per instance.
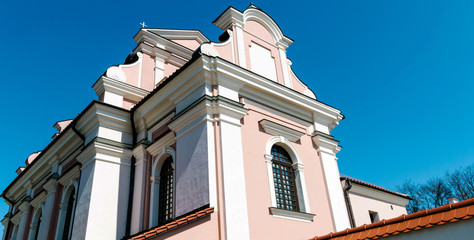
(143, 24)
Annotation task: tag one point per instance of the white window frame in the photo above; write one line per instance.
(73, 184)
(34, 227)
(304, 213)
(155, 183)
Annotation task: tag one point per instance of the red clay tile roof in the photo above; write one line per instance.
(448, 213)
(172, 225)
(355, 180)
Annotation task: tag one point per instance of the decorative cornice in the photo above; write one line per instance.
(167, 140)
(276, 129)
(326, 143)
(234, 17)
(72, 174)
(38, 200)
(205, 109)
(229, 17)
(106, 116)
(50, 185)
(24, 206)
(181, 34)
(149, 36)
(97, 151)
(107, 84)
(16, 218)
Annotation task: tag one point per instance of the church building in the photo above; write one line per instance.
(194, 139)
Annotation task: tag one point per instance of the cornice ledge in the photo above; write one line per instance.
(24, 206)
(276, 129)
(120, 88)
(255, 84)
(147, 35)
(229, 17)
(72, 174)
(207, 108)
(300, 216)
(50, 185)
(104, 116)
(228, 110)
(166, 141)
(326, 143)
(38, 200)
(100, 151)
(16, 218)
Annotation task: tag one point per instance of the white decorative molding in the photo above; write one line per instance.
(38, 200)
(150, 40)
(72, 174)
(174, 34)
(97, 151)
(155, 182)
(276, 129)
(234, 16)
(298, 165)
(326, 143)
(107, 84)
(328, 147)
(204, 110)
(160, 124)
(50, 186)
(159, 159)
(209, 50)
(292, 215)
(161, 144)
(115, 72)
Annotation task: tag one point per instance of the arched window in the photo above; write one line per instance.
(68, 219)
(165, 202)
(35, 225)
(66, 212)
(284, 179)
(162, 188)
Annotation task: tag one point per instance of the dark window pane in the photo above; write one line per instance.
(165, 208)
(283, 176)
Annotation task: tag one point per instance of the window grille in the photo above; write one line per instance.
(284, 179)
(165, 207)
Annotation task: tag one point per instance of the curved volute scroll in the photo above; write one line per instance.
(206, 49)
(116, 72)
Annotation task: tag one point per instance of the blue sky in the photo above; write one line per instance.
(400, 71)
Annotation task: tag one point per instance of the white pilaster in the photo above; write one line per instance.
(239, 33)
(268, 161)
(159, 69)
(284, 68)
(328, 147)
(50, 187)
(154, 199)
(101, 210)
(24, 211)
(235, 192)
(139, 190)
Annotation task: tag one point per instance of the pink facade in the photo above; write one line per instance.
(258, 194)
(184, 125)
